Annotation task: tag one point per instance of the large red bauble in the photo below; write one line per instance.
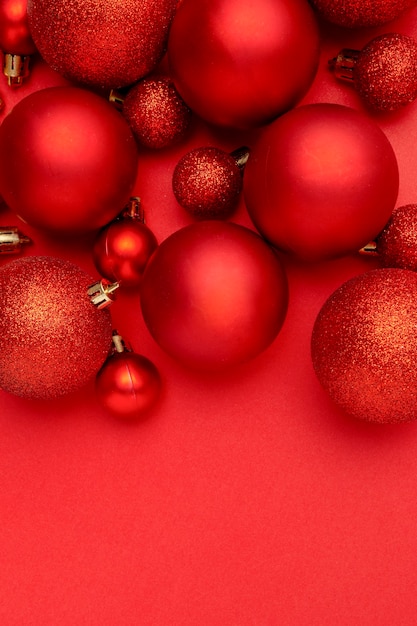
(361, 13)
(241, 63)
(101, 42)
(15, 37)
(128, 385)
(364, 346)
(321, 182)
(68, 160)
(214, 295)
(52, 339)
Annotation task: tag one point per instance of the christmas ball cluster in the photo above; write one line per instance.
(320, 182)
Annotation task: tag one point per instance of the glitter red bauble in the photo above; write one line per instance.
(68, 160)
(385, 74)
(156, 113)
(396, 245)
(207, 183)
(128, 385)
(52, 339)
(359, 13)
(15, 37)
(321, 182)
(241, 63)
(364, 346)
(122, 250)
(214, 295)
(101, 42)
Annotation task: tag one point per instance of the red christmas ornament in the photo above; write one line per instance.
(364, 346)
(207, 182)
(214, 295)
(384, 73)
(68, 160)
(101, 42)
(123, 248)
(128, 385)
(52, 339)
(359, 13)
(156, 113)
(321, 182)
(16, 42)
(241, 63)
(396, 245)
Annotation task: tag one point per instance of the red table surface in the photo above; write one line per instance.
(245, 501)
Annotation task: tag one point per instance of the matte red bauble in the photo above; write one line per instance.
(52, 339)
(68, 160)
(364, 346)
(128, 385)
(241, 63)
(214, 295)
(101, 42)
(15, 37)
(122, 250)
(321, 181)
(357, 13)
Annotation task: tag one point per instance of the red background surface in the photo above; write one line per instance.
(245, 501)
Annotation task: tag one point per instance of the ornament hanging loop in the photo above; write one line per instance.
(344, 64)
(119, 344)
(134, 210)
(16, 69)
(11, 240)
(101, 294)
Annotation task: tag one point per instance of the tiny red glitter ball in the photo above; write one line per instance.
(361, 13)
(364, 346)
(52, 339)
(385, 73)
(207, 183)
(397, 243)
(156, 113)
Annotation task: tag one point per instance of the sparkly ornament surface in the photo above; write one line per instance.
(241, 63)
(106, 43)
(156, 113)
(358, 13)
(321, 181)
(207, 183)
(52, 339)
(68, 160)
(214, 295)
(385, 74)
(396, 245)
(364, 346)
(128, 385)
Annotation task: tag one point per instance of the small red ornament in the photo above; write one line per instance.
(156, 113)
(207, 182)
(16, 42)
(364, 346)
(68, 160)
(128, 385)
(321, 182)
(241, 63)
(214, 295)
(123, 248)
(361, 13)
(101, 42)
(52, 340)
(384, 73)
(396, 245)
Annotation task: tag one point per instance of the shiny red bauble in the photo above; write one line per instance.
(214, 295)
(364, 346)
(15, 37)
(361, 13)
(68, 160)
(52, 339)
(122, 250)
(241, 63)
(321, 182)
(128, 385)
(103, 43)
